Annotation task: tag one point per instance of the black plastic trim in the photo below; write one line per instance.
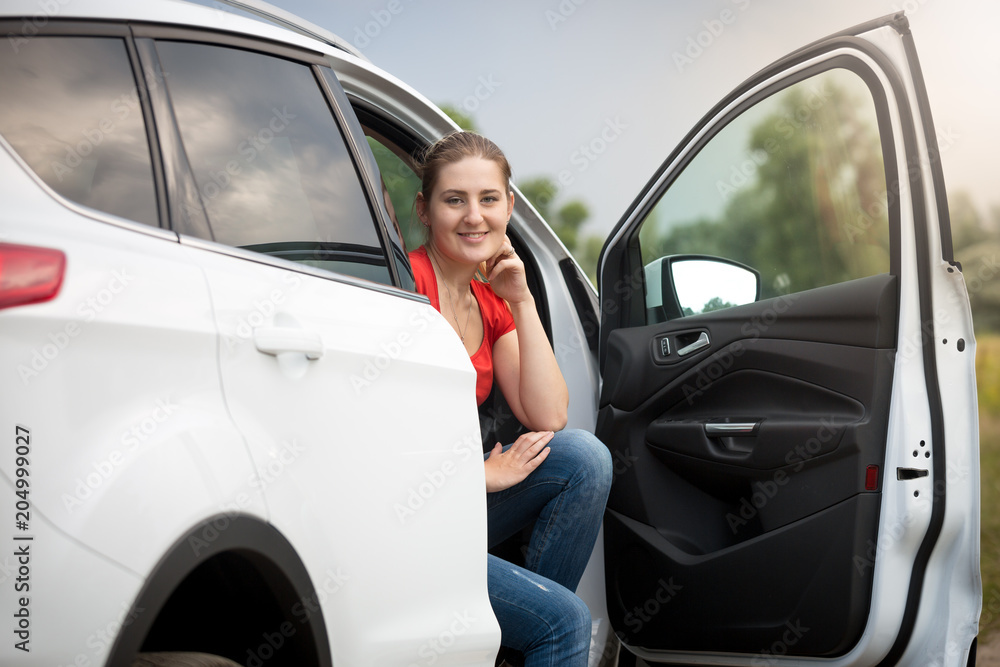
(584, 302)
(214, 536)
(368, 174)
(156, 158)
(185, 209)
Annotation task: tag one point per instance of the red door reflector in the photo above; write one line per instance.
(871, 478)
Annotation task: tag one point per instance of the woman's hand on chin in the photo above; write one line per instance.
(505, 271)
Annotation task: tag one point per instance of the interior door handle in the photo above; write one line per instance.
(278, 340)
(719, 429)
(702, 341)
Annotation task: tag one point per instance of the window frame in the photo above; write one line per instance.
(168, 132)
(632, 312)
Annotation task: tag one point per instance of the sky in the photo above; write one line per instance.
(546, 79)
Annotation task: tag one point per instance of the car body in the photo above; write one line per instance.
(236, 429)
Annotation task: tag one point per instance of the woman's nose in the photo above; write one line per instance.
(474, 213)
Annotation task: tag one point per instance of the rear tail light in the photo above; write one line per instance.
(29, 274)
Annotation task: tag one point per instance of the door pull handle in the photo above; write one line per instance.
(720, 429)
(702, 341)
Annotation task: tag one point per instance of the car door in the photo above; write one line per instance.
(355, 401)
(787, 359)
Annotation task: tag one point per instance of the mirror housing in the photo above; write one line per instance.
(682, 285)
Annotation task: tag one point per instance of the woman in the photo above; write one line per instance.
(556, 479)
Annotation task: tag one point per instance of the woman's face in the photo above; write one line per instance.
(468, 210)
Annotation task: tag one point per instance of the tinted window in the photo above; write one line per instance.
(401, 183)
(70, 108)
(794, 187)
(270, 162)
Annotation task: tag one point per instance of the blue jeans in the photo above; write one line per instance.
(564, 498)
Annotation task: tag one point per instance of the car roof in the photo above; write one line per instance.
(248, 17)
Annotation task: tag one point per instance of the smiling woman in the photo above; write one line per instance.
(553, 481)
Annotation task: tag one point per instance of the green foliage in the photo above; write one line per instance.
(402, 185)
(462, 119)
(988, 381)
(802, 188)
(566, 222)
(716, 303)
(978, 251)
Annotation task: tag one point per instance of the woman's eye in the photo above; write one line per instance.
(453, 200)
(489, 199)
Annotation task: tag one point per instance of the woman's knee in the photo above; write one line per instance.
(574, 624)
(590, 454)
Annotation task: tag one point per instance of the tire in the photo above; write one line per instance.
(182, 660)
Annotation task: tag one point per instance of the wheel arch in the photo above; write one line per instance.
(232, 586)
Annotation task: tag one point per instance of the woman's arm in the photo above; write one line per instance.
(523, 363)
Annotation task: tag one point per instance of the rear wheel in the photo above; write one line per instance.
(181, 660)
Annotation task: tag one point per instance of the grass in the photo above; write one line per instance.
(988, 383)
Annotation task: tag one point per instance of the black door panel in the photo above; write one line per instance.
(753, 465)
(800, 590)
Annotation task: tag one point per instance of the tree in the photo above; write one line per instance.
(462, 119)
(565, 222)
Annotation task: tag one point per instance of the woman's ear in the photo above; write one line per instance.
(510, 205)
(422, 209)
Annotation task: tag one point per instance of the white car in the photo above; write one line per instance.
(232, 427)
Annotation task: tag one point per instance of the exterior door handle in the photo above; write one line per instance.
(702, 341)
(279, 340)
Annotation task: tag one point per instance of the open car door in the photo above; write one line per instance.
(788, 370)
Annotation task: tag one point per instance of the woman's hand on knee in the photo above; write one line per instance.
(504, 469)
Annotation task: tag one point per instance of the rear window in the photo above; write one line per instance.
(70, 109)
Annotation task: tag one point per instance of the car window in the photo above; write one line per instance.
(271, 165)
(794, 187)
(71, 110)
(401, 183)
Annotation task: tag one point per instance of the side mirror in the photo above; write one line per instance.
(682, 285)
